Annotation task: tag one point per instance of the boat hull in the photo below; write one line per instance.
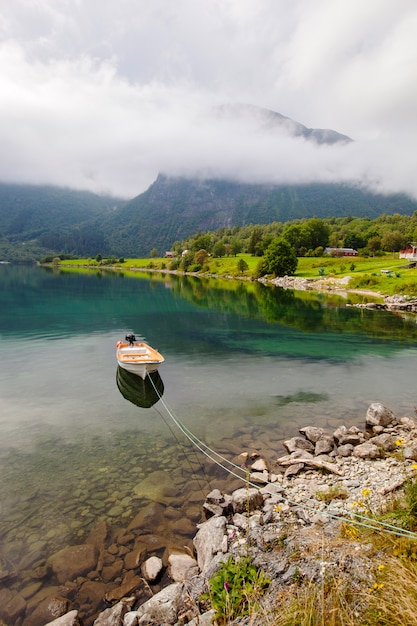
(138, 358)
(140, 369)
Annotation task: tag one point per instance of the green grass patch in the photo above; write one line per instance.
(385, 275)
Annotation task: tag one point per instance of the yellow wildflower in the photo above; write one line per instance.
(381, 567)
(366, 492)
(400, 441)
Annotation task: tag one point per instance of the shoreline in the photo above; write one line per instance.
(110, 545)
(300, 520)
(337, 286)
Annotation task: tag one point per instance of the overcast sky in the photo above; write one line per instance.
(105, 94)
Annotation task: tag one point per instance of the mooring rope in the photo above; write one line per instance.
(307, 503)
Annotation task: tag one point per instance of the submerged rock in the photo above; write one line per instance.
(74, 561)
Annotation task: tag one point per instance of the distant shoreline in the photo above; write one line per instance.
(338, 286)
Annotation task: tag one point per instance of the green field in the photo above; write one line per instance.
(383, 274)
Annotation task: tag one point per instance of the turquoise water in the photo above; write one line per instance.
(233, 351)
(246, 366)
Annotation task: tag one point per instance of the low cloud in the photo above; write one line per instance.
(105, 98)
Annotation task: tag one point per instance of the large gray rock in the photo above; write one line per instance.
(260, 465)
(384, 441)
(209, 540)
(366, 451)
(152, 568)
(246, 498)
(312, 433)
(298, 443)
(345, 450)
(293, 470)
(324, 445)
(410, 452)
(379, 415)
(180, 566)
(113, 616)
(163, 608)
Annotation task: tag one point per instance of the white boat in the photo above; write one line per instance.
(137, 357)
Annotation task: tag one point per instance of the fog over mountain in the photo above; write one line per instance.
(105, 97)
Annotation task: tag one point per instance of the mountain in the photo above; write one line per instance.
(36, 221)
(266, 121)
(174, 208)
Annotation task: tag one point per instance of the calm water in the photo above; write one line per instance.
(246, 365)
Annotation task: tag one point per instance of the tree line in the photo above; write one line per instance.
(279, 244)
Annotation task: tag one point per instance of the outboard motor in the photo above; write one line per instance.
(131, 339)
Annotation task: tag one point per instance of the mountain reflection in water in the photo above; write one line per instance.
(144, 393)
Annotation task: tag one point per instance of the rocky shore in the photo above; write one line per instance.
(388, 303)
(288, 516)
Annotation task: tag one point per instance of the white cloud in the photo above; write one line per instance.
(106, 95)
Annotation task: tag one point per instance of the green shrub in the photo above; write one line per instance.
(235, 588)
(174, 265)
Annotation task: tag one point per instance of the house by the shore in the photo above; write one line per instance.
(410, 252)
(341, 252)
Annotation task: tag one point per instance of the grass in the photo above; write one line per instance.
(366, 273)
(339, 601)
(382, 591)
(387, 598)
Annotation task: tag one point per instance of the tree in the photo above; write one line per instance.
(280, 258)
(319, 233)
(374, 244)
(392, 241)
(186, 260)
(297, 235)
(203, 242)
(236, 247)
(308, 235)
(255, 243)
(354, 240)
(242, 266)
(154, 253)
(201, 257)
(219, 249)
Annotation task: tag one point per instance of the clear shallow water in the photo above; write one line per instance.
(246, 366)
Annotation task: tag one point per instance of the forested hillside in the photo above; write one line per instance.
(39, 221)
(35, 219)
(173, 209)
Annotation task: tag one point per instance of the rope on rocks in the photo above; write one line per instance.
(308, 504)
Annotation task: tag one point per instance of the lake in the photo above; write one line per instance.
(246, 365)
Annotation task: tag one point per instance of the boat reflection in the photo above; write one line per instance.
(142, 392)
